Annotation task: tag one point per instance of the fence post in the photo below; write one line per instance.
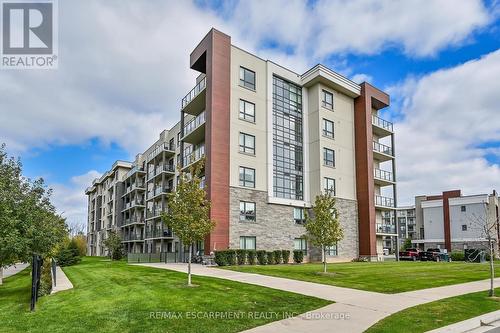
(35, 280)
(54, 272)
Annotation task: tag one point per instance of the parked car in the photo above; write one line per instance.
(434, 255)
(409, 254)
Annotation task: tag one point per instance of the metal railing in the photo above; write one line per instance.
(133, 236)
(385, 228)
(382, 123)
(199, 87)
(155, 212)
(381, 148)
(166, 257)
(158, 233)
(194, 123)
(132, 221)
(382, 174)
(384, 201)
(165, 146)
(134, 170)
(194, 156)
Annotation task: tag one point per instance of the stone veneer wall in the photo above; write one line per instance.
(275, 229)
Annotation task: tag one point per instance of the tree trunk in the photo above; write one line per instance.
(189, 264)
(324, 258)
(492, 270)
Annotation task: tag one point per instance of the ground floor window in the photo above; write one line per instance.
(299, 215)
(331, 250)
(247, 211)
(248, 242)
(300, 244)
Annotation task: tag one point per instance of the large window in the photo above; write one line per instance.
(328, 128)
(327, 99)
(329, 185)
(287, 140)
(247, 111)
(299, 215)
(247, 177)
(247, 78)
(247, 143)
(331, 250)
(248, 242)
(247, 211)
(300, 244)
(329, 157)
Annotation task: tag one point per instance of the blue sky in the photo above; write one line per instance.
(113, 96)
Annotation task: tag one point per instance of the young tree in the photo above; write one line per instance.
(407, 244)
(113, 244)
(323, 227)
(189, 210)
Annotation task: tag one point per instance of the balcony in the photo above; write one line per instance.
(194, 130)
(154, 213)
(137, 203)
(131, 221)
(384, 203)
(381, 127)
(160, 149)
(159, 233)
(382, 152)
(134, 170)
(194, 102)
(160, 169)
(133, 238)
(193, 157)
(382, 177)
(385, 229)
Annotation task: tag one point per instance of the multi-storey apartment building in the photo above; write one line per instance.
(453, 221)
(272, 140)
(403, 220)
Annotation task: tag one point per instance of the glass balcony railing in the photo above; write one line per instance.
(383, 175)
(194, 92)
(165, 146)
(379, 122)
(194, 123)
(194, 156)
(385, 228)
(133, 237)
(381, 148)
(384, 201)
(158, 233)
(132, 220)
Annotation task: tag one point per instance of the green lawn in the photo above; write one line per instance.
(437, 314)
(116, 297)
(385, 277)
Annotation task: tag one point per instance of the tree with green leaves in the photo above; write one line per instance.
(407, 244)
(322, 225)
(188, 213)
(29, 223)
(113, 244)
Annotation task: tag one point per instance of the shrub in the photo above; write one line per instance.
(285, 254)
(251, 256)
(277, 257)
(68, 255)
(114, 246)
(457, 256)
(261, 257)
(80, 242)
(231, 257)
(298, 256)
(242, 256)
(220, 258)
(270, 257)
(360, 259)
(45, 278)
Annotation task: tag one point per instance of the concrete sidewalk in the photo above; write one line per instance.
(14, 269)
(62, 281)
(484, 323)
(354, 310)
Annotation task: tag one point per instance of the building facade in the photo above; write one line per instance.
(455, 222)
(272, 140)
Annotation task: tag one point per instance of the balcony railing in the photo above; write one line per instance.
(383, 175)
(379, 122)
(161, 189)
(386, 228)
(137, 202)
(381, 148)
(134, 170)
(157, 233)
(194, 92)
(194, 156)
(165, 146)
(194, 123)
(132, 220)
(133, 237)
(155, 212)
(384, 201)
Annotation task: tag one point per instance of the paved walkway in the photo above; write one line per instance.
(14, 269)
(489, 322)
(362, 308)
(62, 281)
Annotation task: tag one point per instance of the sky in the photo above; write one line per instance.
(124, 67)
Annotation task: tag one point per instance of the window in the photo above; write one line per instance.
(178, 139)
(247, 143)
(247, 177)
(171, 144)
(327, 99)
(330, 185)
(464, 226)
(299, 215)
(247, 78)
(463, 208)
(331, 250)
(300, 244)
(247, 111)
(247, 242)
(328, 128)
(329, 157)
(247, 211)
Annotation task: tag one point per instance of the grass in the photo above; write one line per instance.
(116, 297)
(425, 317)
(384, 277)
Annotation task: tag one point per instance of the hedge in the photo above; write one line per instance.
(261, 257)
(277, 256)
(251, 257)
(270, 258)
(241, 256)
(45, 278)
(225, 258)
(457, 256)
(298, 256)
(285, 254)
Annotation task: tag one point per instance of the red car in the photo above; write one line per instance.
(409, 254)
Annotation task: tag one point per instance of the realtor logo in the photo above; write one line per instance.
(29, 34)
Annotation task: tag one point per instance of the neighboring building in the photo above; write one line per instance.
(406, 225)
(454, 222)
(273, 139)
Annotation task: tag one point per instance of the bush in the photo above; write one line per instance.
(360, 259)
(251, 256)
(285, 254)
(298, 256)
(68, 255)
(220, 258)
(270, 257)
(457, 256)
(114, 246)
(242, 256)
(261, 257)
(231, 257)
(277, 257)
(45, 278)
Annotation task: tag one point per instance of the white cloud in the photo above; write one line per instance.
(448, 115)
(361, 77)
